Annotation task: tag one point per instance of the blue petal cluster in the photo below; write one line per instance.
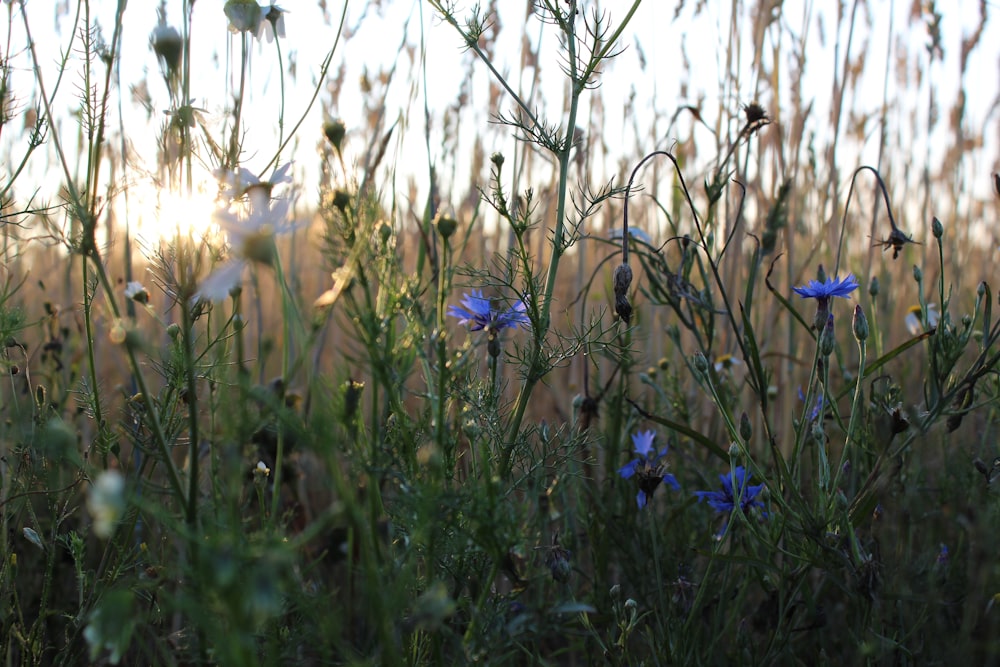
(726, 499)
(815, 289)
(649, 468)
(478, 310)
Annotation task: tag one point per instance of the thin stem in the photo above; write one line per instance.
(852, 424)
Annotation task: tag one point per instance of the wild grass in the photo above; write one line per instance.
(570, 411)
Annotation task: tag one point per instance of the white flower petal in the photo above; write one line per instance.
(217, 285)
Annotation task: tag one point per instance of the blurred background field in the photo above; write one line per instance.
(444, 523)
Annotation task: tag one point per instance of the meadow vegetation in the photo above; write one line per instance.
(733, 402)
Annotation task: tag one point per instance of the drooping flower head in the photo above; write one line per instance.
(823, 290)
(478, 310)
(272, 23)
(649, 469)
(244, 16)
(137, 292)
(726, 499)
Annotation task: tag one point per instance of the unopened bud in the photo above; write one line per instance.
(937, 228)
(860, 323)
(334, 131)
(700, 363)
(746, 429)
(341, 200)
(918, 275)
(827, 341)
(446, 226)
(873, 287)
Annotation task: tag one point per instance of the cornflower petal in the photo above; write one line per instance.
(831, 287)
(628, 470)
(643, 442)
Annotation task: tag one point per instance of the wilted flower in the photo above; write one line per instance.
(273, 23)
(649, 468)
(479, 311)
(244, 16)
(106, 502)
(914, 318)
(725, 501)
(134, 290)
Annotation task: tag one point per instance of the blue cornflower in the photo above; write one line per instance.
(831, 287)
(649, 468)
(726, 499)
(478, 310)
(823, 290)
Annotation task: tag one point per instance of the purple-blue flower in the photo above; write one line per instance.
(649, 468)
(725, 500)
(831, 287)
(478, 310)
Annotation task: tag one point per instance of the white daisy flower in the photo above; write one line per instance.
(106, 502)
(914, 318)
(251, 239)
(137, 292)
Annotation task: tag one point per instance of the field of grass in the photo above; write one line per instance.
(717, 393)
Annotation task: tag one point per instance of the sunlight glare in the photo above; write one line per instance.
(164, 215)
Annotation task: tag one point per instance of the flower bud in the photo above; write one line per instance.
(244, 15)
(734, 450)
(167, 46)
(497, 160)
(827, 340)
(341, 200)
(937, 228)
(918, 275)
(873, 287)
(700, 363)
(860, 323)
(446, 226)
(746, 429)
(385, 231)
(335, 131)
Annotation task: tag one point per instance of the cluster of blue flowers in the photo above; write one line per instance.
(649, 468)
(479, 310)
(650, 471)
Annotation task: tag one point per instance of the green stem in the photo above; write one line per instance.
(855, 409)
(544, 315)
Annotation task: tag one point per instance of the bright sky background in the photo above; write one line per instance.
(378, 32)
